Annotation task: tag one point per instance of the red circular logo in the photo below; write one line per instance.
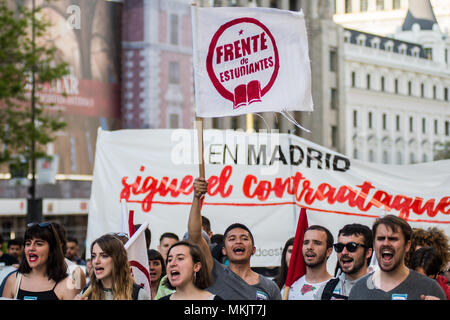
(243, 61)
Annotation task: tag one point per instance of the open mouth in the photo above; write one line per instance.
(387, 255)
(239, 250)
(174, 274)
(99, 270)
(346, 261)
(32, 257)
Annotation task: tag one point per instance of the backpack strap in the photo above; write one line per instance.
(329, 288)
(135, 294)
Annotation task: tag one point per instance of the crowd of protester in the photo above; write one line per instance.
(390, 261)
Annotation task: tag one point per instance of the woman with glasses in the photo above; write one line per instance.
(111, 277)
(42, 273)
(187, 273)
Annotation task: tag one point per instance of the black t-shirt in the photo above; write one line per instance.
(8, 260)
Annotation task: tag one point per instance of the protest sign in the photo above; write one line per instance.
(250, 60)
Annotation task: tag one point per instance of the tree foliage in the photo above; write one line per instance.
(20, 54)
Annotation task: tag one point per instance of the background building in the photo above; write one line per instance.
(397, 84)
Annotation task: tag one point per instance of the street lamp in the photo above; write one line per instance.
(34, 205)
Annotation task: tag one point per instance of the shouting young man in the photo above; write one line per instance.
(237, 281)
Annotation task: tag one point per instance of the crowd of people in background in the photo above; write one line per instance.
(390, 261)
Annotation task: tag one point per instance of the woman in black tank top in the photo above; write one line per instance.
(40, 295)
(42, 266)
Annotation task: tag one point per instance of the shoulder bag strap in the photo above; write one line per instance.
(18, 280)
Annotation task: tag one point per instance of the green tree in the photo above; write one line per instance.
(27, 63)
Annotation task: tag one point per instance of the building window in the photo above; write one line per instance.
(422, 90)
(384, 121)
(348, 6)
(333, 99)
(396, 85)
(355, 119)
(370, 120)
(380, 5)
(174, 121)
(399, 157)
(174, 25)
(395, 4)
(217, 123)
(73, 154)
(334, 136)
(446, 94)
(446, 56)
(412, 158)
(428, 53)
(383, 84)
(424, 157)
(385, 157)
(436, 127)
(174, 72)
(355, 153)
(256, 124)
(397, 122)
(424, 125)
(371, 156)
(411, 124)
(434, 92)
(333, 60)
(294, 6)
(409, 88)
(353, 79)
(447, 129)
(234, 123)
(363, 5)
(368, 81)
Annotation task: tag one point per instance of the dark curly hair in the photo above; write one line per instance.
(431, 237)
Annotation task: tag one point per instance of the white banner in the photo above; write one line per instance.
(261, 180)
(250, 60)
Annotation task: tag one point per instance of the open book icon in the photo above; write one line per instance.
(247, 93)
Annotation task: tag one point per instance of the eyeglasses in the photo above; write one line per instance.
(351, 246)
(40, 224)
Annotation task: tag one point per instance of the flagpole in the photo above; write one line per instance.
(286, 293)
(199, 125)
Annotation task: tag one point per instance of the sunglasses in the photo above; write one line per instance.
(40, 224)
(118, 234)
(351, 246)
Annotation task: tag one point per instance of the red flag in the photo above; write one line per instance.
(297, 266)
(131, 228)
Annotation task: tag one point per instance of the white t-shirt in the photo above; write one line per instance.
(303, 290)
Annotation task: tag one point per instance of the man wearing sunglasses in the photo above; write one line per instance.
(354, 251)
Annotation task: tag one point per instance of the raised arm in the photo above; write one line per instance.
(195, 221)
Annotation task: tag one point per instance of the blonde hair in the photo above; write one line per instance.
(122, 281)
